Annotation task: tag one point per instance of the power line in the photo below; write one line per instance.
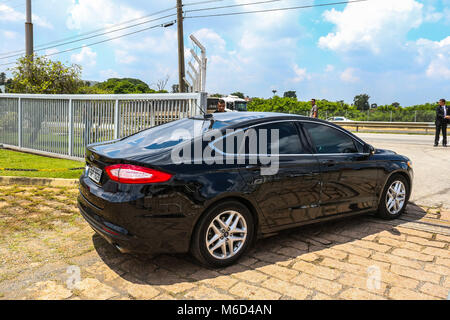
(162, 25)
(234, 5)
(200, 2)
(90, 37)
(40, 47)
(272, 10)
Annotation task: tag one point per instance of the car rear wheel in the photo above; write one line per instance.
(394, 198)
(223, 234)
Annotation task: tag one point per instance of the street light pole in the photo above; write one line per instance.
(29, 32)
(181, 66)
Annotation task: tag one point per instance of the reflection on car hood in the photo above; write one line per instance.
(383, 151)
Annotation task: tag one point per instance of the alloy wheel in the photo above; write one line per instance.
(226, 235)
(395, 197)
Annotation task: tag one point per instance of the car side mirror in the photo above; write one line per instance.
(369, 149)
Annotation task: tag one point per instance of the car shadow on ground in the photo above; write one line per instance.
(281, 249)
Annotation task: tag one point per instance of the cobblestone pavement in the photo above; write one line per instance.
(47, 251)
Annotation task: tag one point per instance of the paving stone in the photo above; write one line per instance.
(358, 294)
(205, 293)
(286, 288)
(320, 271)
(435, 291)
(50, 290)
(94, 289)
(412, 255)
(326, 286)
(405, 294)
(142, 291)
(416, 274)
(248, 291)
(277, 271)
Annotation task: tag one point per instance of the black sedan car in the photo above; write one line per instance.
(212, 185)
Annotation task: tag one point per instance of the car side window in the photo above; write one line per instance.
(328, 140)
(288, 138)
(244, 142)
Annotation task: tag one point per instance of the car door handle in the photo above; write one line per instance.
(328, 162)
(256, 166)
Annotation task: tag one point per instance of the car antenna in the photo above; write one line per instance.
(206, 116)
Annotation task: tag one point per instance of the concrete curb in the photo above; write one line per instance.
(39, 181)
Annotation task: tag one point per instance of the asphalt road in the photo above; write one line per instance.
(431, 165)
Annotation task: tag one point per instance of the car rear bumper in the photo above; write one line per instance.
(126, 242)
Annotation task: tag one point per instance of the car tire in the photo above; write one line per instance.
(394, 198)
(216, 241)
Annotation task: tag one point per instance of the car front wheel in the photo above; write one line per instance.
(223, 234)
(394, 198)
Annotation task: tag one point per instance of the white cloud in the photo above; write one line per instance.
(88, 14)
(86, 57)
(123, 56)
(373, 25)
(209, 38)
(109, 73)
(436, 56)
(329, 68)
(9, 34)
(300, 74)
(9, 14)
(50, 52)
(349, 75)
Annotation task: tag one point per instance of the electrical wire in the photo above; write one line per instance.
(103, 41)
(90, 32)
(272, 10)
(234, 5)
(90, 37)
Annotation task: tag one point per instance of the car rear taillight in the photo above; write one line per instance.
(126, 173)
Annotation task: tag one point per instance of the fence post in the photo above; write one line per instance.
(116, 120)
(202, 103)
(71, 140)
(19, 112)
(415, 116)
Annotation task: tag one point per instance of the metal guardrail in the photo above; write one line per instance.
(388, 127)
(63, 125)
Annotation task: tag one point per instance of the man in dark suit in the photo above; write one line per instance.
(442, 119)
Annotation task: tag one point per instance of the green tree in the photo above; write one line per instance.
(2, 78)
(238, 94)
(290, 94)
(362, 102)
(126, 86)
(44, 76)
(216, 95)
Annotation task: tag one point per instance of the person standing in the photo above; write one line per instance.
(314, 110)
(442, 119)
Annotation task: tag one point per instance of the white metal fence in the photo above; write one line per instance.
(64, 125)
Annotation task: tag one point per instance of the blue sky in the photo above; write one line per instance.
(393, 50)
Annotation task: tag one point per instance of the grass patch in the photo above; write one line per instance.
(19, 160)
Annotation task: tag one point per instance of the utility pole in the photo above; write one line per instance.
(181, 67)
(29, 32)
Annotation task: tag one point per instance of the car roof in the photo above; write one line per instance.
(239, 119)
